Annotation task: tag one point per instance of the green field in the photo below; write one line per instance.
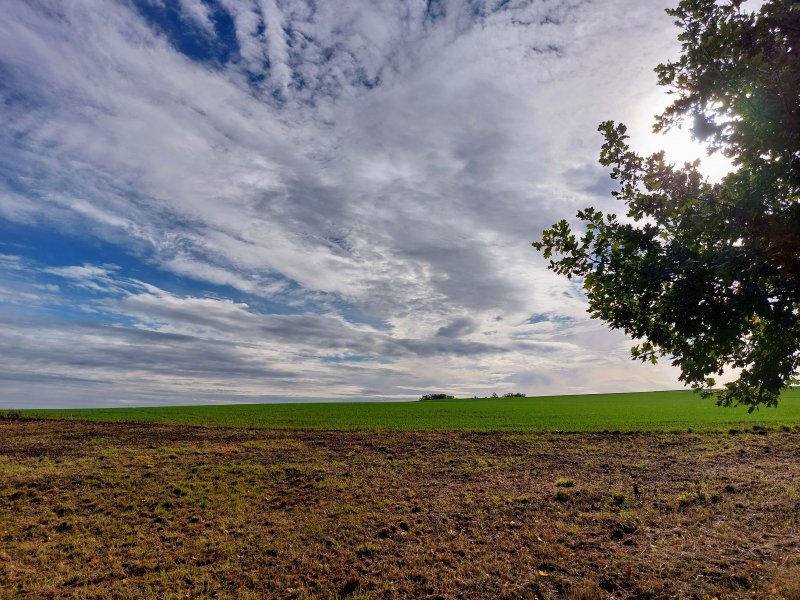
(643, 411)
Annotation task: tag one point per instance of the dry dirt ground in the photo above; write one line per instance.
(148, 511)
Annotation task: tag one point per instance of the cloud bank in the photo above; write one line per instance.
(244, 200)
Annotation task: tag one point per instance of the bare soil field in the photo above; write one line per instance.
(93, 510)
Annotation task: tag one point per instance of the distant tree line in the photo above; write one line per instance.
(436, 397)
(494, 395)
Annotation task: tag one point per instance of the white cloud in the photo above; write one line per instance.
(197, 11)
(387, 160)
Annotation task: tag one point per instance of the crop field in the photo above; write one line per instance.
(648, 411)
(143, 510)
(652, 495)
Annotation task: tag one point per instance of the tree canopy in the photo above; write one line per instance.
(707, 274)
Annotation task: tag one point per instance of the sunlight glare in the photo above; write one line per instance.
(677, 144)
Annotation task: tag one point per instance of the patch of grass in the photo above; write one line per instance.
(700, 495)
(644, 411)
(566, 482)
(367, 549)
(585, 589)
(521, 498)
(616, 501)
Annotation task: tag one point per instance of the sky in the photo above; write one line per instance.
(211, 201)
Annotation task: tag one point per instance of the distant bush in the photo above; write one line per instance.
(514, 395)
(436, 397)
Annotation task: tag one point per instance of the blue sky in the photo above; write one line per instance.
(254, 200)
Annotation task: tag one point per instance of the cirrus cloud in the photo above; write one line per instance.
(307, 199)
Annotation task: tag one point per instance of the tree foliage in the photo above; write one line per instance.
(707, 274)
(436, 397)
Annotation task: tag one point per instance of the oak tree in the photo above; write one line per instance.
(707, 274)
